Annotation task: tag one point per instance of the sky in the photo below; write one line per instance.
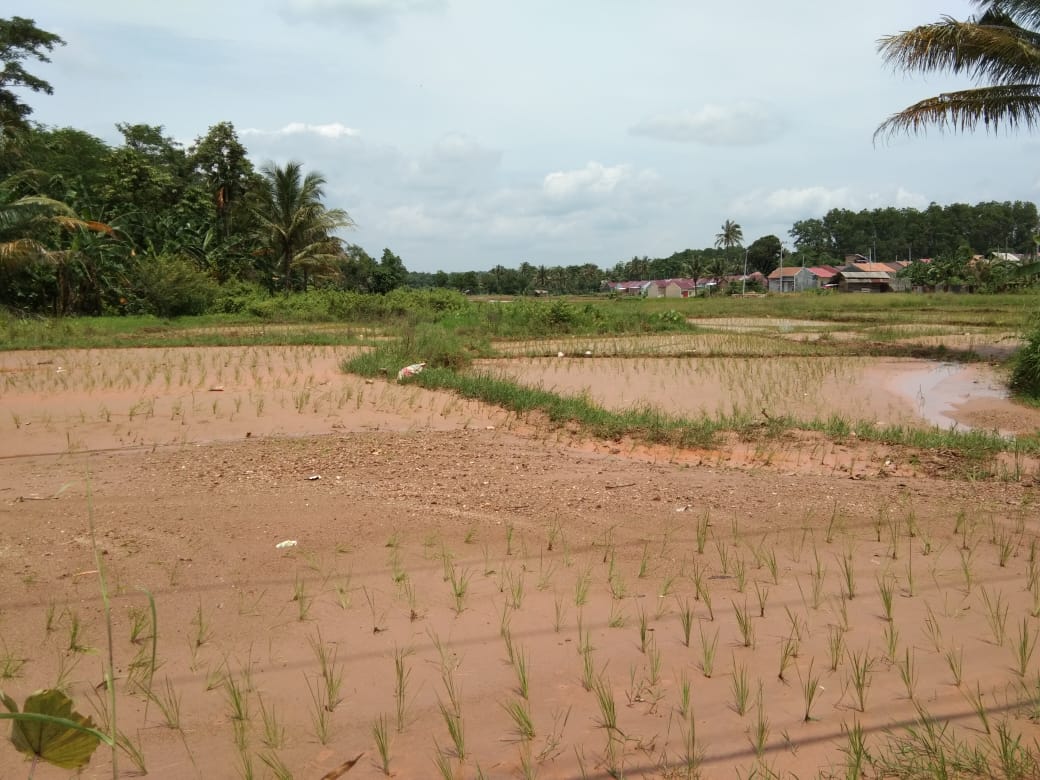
(463, 134)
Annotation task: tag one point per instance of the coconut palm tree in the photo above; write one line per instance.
(294, 223)
(998, 49)
(730, 236)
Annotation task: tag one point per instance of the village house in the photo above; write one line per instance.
(791, 279)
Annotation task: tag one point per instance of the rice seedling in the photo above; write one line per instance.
(745, 624)
(588, 669)
(702, 531)
(581, 587)
(1005, 547)
(402, 674)
(302, 599)
(811, 690)
(761, 595)
(705, 596)
(685, 621)
(443, 763)
(857, 757)
(452, 715)
(758, 733)
(1025, 644)
(514, 588)
(708, 648)
(693, 752)
(320, 713)
(559, 613)
(891, 637)
(644, 562)
(908, 672)
(788, 652)
(277, 766)
(978, 706)
(667, 586)
(860, 671)
(848, 574)
(653, 676)
(274, 732)
(932, 629)
(684, 694)
(75, 643)
(886, 589)
(604, 693)
(330, 671)
(553, 740)
(740, 687)
(50, 618)
(520, 659)
(520, 713)
(955, 660)
(644, 631)
(818, 575)
(377, 617)
(617, 617)
(723, 550)
(168, 700)
(740, 573)
(545, 575)
(996, 615)
(381, 735)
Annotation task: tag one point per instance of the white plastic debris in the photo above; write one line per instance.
(412, 370)
(286, 544)
(559, 354)
(313, 477)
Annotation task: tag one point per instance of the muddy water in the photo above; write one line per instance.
(878, 390)
(939, 389)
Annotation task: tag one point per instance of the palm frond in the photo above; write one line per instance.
(998, 51)
(1023, 12)
(1003, 107)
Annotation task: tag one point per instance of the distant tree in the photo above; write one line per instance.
(764, 254)
(20, 40)
(293, 222)
(391, 272)
(731, 235)
(999, 49)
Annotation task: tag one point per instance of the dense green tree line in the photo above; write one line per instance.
(910, 234)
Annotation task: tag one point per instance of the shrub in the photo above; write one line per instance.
(171, 286)
(1025, 366)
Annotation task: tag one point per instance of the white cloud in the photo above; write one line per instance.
(739, 124)
(333, 130)
(596, 180)
(455, 160)
(792, 203)
(813, 202)
(364, 11)
(905, 199)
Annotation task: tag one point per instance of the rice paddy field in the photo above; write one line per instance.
(313, 570)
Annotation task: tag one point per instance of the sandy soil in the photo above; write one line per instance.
(434, 530)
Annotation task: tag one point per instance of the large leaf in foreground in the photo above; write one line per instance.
(48, 728)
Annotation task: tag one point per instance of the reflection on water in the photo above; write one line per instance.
(935, 388)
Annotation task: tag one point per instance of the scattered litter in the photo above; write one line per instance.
(489, 427)
(559, 354)
(588, 353)
(217, 389)
(313, 477)
(59, 370)
(684, 508)
(286, 544)
(412, 370)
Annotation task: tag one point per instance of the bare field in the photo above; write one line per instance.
(492, 597)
